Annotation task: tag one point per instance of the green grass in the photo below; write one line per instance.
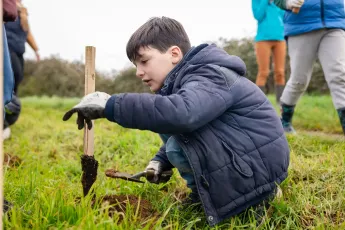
(44, 187)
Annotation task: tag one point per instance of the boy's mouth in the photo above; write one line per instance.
(147, 81)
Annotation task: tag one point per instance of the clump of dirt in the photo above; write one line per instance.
(89, 166)
(12, 161)
(120, 203)
(180, 195)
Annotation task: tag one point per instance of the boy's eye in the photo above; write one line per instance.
(143, 61)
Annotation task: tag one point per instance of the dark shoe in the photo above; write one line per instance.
(287, 112)
(264, 210)
(279, 91)
(341, 114)
(7, 206)
(288, 128)
(192, 202)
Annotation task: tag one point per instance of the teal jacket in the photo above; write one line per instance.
(270, 21)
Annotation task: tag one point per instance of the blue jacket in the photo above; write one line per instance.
(270, 21)
(230, 132)
(314, 15)
(16, 36)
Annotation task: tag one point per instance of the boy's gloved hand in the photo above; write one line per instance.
(90, 108)
(158, 168)
(294, 4)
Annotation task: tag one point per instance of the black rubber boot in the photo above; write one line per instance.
(7, 206)
(287, 114)
(192, 202)
(341, 114)
(279, 91)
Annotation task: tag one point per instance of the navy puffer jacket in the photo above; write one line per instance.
(230, 132)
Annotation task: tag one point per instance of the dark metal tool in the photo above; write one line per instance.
(148, 174)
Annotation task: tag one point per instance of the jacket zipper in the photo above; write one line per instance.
(322, 13)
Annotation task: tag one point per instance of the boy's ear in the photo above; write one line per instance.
(176, 54)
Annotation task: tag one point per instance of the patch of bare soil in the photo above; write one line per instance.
(120, 203)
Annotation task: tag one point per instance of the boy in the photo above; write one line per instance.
(219, 129)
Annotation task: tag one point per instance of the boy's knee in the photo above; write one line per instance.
(179, 161)
(175, 154)
(171, 145)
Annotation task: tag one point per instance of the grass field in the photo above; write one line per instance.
(45, 185)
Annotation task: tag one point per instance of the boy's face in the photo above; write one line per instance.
(153, 66)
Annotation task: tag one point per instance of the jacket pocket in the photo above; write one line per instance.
(239, 164)
(230, 182)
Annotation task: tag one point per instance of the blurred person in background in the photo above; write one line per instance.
(269, 39)
(9, 14)
(317, 31)
(18, 33)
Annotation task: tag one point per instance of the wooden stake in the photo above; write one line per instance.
(90, 75)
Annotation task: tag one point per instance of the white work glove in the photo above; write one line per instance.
(157, 168)
(91, 107)
(294, 4)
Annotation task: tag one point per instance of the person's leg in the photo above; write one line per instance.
(8, 83)
(263, 53)
(279, 55)
(302, 51)
(178, 159)
(164, 137)
(332, 59)
(17, 66)
(21, 59)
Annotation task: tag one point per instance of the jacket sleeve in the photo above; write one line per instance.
(281, 4)
(194, 105)
(161, 156)
(259, 8)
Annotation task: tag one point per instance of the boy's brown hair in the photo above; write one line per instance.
(160, 33)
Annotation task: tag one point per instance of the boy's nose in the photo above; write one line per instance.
(139, 73)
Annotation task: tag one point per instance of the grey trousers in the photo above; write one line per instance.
(329, 46)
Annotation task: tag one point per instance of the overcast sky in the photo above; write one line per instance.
(65, 27)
